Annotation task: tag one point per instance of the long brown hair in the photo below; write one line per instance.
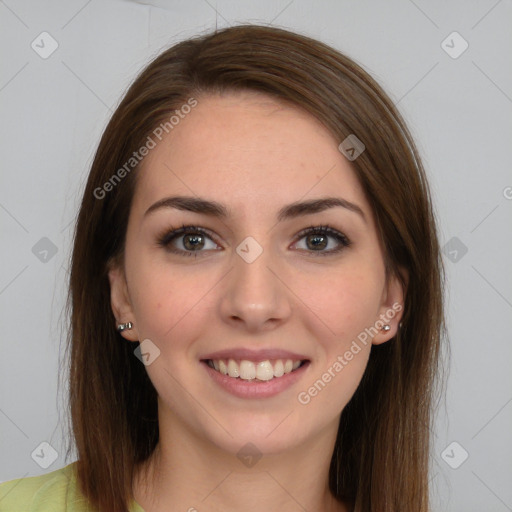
(381, 456)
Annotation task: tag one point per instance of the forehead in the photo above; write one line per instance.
(249, 151)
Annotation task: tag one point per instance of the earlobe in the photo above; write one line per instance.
(392, 308)
(121, 305)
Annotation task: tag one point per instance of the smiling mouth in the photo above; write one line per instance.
(258, 371)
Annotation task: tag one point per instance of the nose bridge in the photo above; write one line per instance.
(252, 264)
(255, 294)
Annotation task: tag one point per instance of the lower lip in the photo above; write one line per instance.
(255, 388)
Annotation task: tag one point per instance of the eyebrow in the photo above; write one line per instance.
(218, 210)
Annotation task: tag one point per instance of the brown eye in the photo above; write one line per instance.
(317, 239)
(192, 240)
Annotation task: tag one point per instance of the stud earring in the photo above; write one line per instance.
(386, 328)
(124, 327)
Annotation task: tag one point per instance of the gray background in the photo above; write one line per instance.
(54, 110)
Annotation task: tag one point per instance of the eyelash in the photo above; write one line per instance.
(165, 239)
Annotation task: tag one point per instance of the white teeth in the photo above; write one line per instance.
(248, 370)
(222, 367)
(264, 370)
(233, 370)
(279, 368)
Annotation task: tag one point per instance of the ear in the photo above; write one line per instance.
(120, 301)
(392, 307)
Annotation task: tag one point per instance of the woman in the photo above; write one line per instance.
(291, 363)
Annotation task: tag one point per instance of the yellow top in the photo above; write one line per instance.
(52, 492)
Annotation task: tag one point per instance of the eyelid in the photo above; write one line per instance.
(171, 233)
(315, 228)
(343, 241)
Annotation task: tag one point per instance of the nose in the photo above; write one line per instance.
(257, 296)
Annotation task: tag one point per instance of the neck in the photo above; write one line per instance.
(194, 475)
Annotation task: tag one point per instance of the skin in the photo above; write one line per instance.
(255, 155)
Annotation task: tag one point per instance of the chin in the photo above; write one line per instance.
(267, 434)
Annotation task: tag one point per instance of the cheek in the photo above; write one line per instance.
(166, 302)
(343, 304)
(343, 347)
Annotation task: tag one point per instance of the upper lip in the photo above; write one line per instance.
(254, 355)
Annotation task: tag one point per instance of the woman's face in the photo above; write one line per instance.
(251, 281)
